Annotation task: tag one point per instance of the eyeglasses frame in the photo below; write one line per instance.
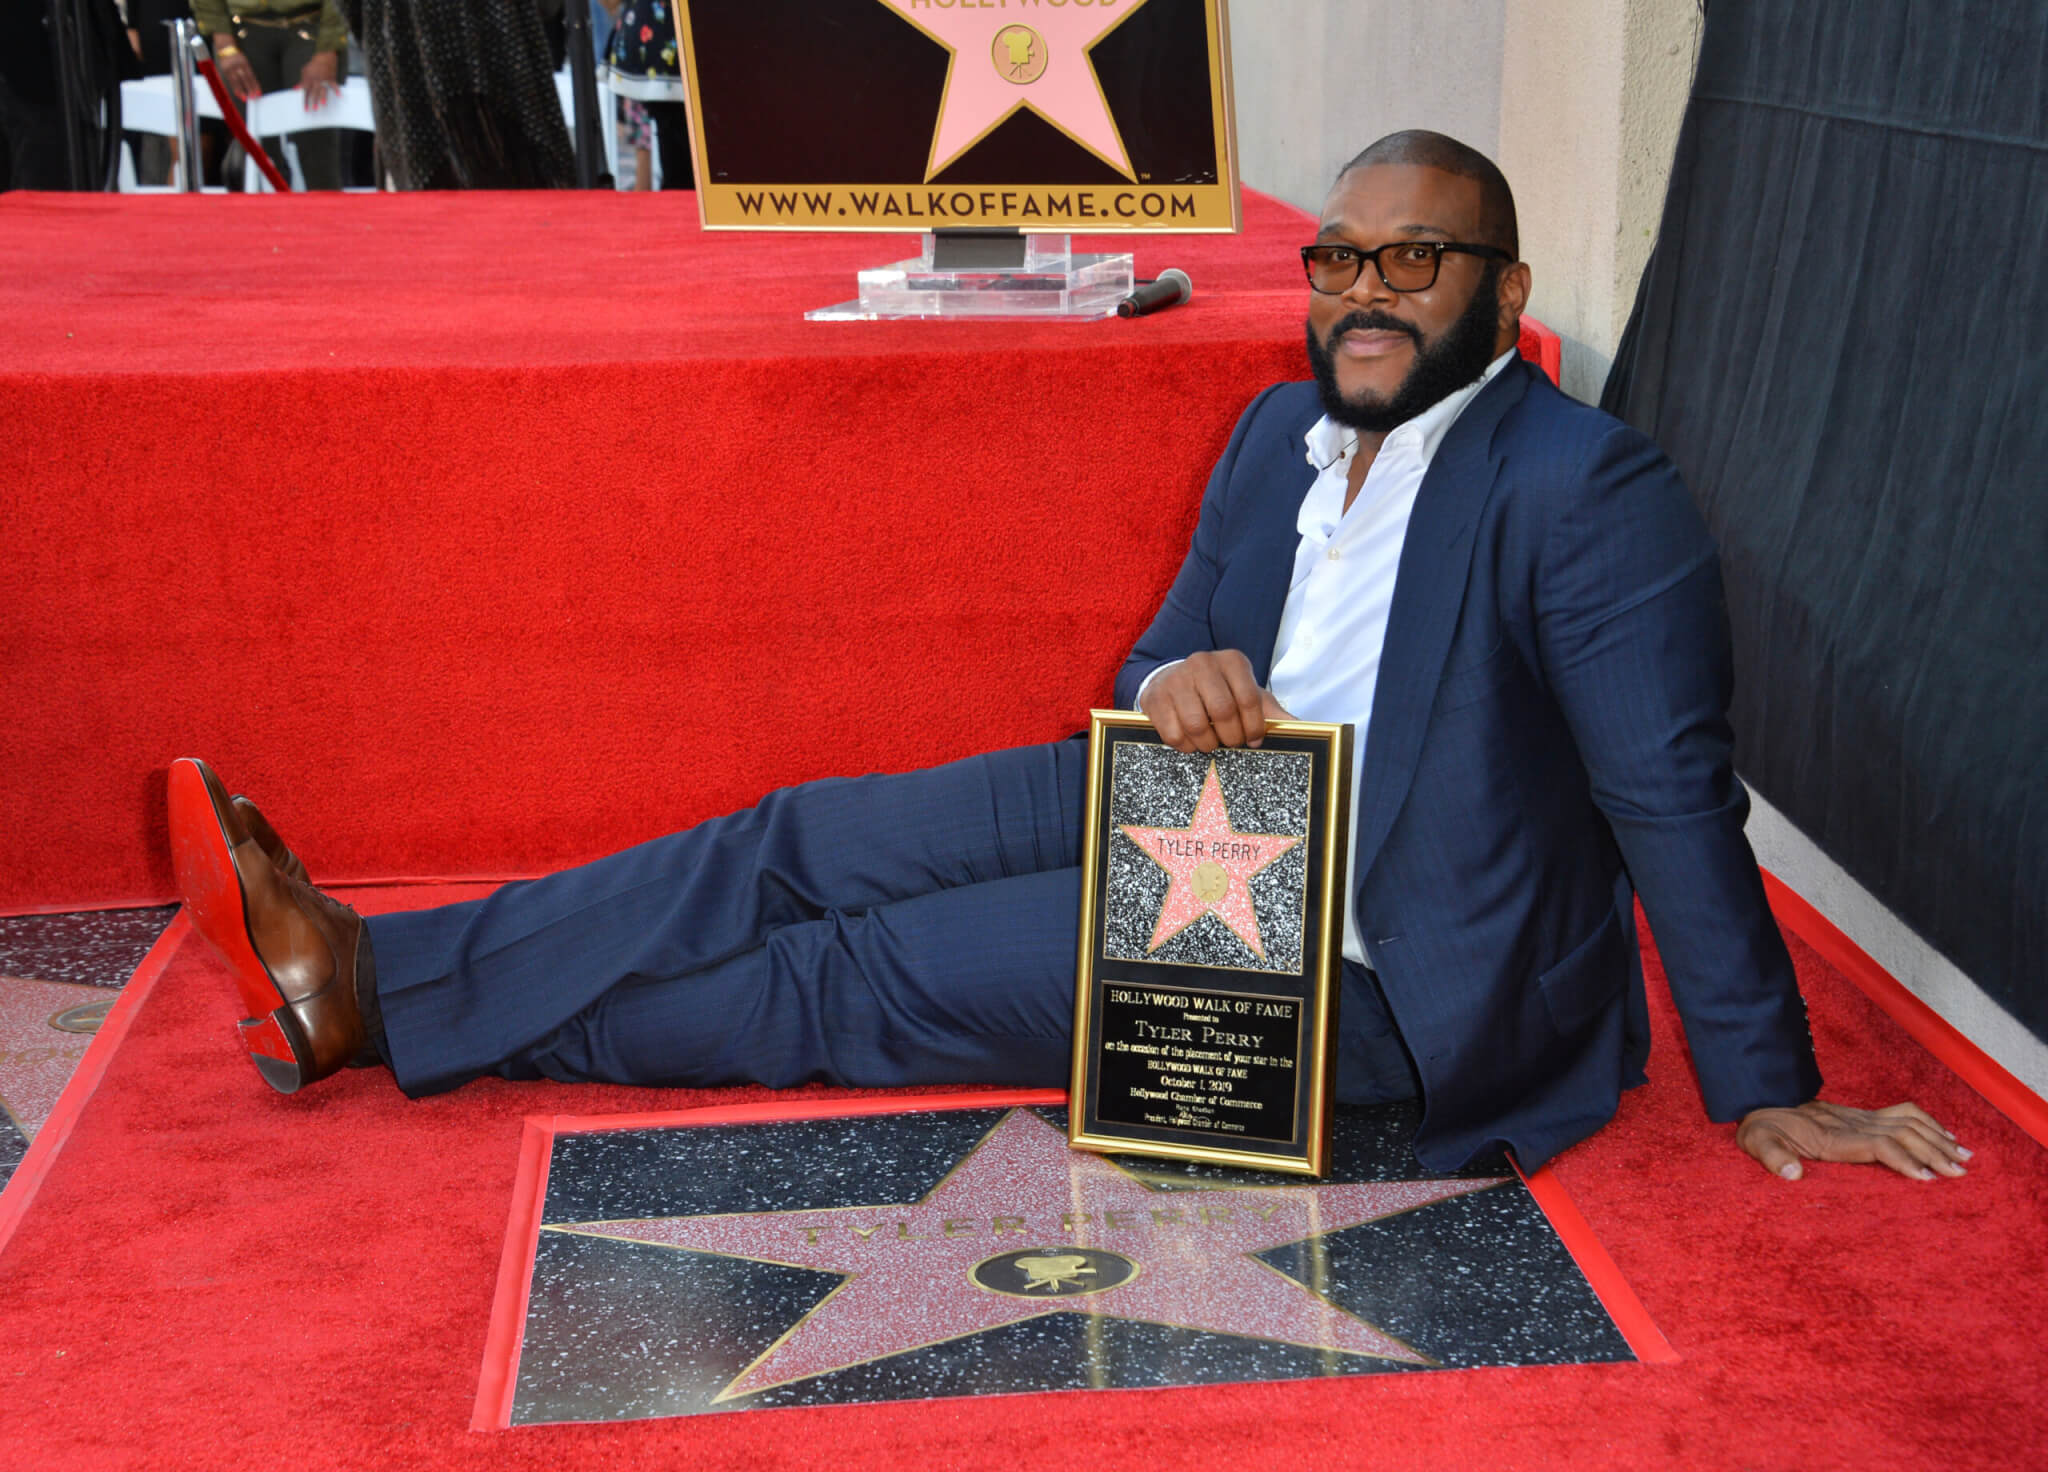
(1459, 247)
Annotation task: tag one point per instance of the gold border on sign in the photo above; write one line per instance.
(1319, 1059)
(1218, 207)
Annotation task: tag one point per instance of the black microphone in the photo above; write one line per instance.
(1170, 290)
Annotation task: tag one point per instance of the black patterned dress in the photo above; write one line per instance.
(464, 93)
(646, 67)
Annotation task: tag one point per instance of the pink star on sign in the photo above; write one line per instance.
(910, 1270)
(1008, 56)
(1210, 865)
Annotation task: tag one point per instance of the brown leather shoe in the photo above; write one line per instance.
(287, 862)
(292, 949)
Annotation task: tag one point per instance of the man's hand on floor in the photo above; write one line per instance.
(1903, 1137)
(1210, 700)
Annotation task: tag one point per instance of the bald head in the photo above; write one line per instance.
(1435, 151)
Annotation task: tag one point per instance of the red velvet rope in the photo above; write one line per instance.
(241, 129)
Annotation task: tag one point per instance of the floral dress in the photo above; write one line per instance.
(645, 61)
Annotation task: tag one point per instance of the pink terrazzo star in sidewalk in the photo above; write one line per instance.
(1024, 1227)
(1211, 865)
(1007, 57)
(37, 1056)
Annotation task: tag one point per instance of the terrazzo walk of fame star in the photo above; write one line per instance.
(687, 1269)
(59, 975)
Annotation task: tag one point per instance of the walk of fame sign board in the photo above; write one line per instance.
(1212, 933)
(832, 1251)
(1052, 116)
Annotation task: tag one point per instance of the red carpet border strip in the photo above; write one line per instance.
(1620, 1301)
(499, 1379)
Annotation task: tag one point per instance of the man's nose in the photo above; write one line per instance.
(1370, 289)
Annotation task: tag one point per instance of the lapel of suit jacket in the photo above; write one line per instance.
(1429, 589)
(1269, 548)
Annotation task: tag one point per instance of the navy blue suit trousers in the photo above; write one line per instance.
(874, 931)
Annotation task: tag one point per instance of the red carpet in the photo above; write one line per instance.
(217, 1276)
(485, 533)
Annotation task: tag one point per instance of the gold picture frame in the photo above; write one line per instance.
(1211, 946)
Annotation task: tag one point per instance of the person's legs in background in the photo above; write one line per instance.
(638, 134)
(672, 138)
(319, 148)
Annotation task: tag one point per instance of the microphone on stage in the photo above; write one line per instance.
(1170, 290)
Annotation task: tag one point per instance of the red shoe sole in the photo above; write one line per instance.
(212, 890)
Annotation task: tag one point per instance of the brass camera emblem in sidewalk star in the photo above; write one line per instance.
(1053, 1272)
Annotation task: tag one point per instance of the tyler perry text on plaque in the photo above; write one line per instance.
(1212, 932)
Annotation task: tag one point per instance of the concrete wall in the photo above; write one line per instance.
(1317, 80)
(1579, 101)
(1592, 94)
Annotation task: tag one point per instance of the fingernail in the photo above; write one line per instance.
(1789, 1170)
(1963, 1151)
(1926, 1174)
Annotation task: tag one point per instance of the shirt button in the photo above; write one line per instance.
(1335, 554)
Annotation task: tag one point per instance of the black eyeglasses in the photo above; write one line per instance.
(1406, 265)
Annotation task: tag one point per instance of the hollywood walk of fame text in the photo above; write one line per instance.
(1214, 1061)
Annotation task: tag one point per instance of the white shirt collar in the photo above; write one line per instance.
(1329, 442)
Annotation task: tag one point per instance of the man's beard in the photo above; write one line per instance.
(1440, 368)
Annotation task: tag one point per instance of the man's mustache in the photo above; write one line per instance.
(1370, 322)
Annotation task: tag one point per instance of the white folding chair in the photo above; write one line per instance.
(146, 107)
(283, 113)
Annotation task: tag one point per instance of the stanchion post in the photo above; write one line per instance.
(185, 103)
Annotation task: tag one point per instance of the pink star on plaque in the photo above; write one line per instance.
(1210, 865)
(1024, 1227)
(1003, 59)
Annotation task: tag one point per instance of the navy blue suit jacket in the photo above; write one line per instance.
(1548, 739)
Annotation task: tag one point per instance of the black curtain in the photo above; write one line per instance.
(1842, 338)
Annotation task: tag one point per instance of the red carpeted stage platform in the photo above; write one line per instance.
(484, 533)
(479, 534)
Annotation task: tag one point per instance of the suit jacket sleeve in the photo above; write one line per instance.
(1632, 634)
(1181, 627)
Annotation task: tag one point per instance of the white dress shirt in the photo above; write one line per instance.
(1326, 658)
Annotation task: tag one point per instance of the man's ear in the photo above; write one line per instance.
(1514, 296)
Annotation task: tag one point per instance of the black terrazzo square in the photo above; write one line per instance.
(692, 1269)
(90, 947)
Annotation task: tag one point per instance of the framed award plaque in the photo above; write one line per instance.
(1212, 933)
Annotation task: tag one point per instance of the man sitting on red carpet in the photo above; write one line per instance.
(1509, 594)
